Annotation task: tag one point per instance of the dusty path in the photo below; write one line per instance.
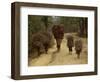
(60, 58)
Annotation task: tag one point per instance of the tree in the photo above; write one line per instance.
(45, 20)
(83, 27)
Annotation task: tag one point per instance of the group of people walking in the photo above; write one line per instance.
(58, 33)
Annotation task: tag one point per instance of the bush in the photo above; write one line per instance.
(40, 42)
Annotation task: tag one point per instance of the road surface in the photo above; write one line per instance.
(61, 58)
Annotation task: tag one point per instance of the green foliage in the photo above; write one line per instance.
(71, 24)
(45, 20)
(43, 23)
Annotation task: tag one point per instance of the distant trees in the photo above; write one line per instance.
(75, 24)
(71, 24)
(83, 27)
(45, 21)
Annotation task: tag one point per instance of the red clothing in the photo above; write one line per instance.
(58, 31)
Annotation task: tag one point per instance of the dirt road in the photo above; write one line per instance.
(61, 58)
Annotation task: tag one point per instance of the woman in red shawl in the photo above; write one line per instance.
(58, 32)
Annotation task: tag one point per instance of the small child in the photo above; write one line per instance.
(78, 47)
(70, 43)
